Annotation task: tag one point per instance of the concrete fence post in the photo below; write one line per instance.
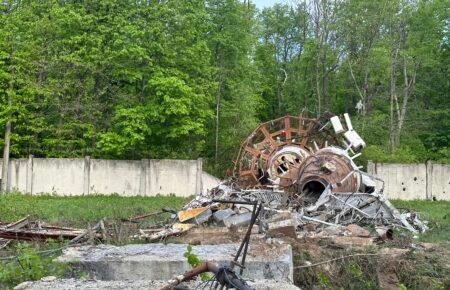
(143, 177)
(371, 167)
(429, 179)
(198, 179)
(87, 175)
(151, 191)
(29, 178)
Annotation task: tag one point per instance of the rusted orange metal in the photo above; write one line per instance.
(262, 152)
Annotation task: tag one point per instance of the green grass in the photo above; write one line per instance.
(79, 211)
(437, 213)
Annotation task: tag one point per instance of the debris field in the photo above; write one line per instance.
(294, 177)
(303, 174)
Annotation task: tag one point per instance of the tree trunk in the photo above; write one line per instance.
(408, 91)
(318, 87)
(361, 96)
(5, 165)
(218, 97)
(392, 130)
(278, 92)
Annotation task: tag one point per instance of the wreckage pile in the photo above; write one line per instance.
(35, 230)
(302, 173)
(294, 176)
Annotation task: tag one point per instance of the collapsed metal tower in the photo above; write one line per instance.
(284, 152)
(307, 164)
(295, 176)
(301, 170)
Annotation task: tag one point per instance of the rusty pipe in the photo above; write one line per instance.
(205, 267)
(224, 275)
(384, 233)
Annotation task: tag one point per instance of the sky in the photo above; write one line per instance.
(267, 3)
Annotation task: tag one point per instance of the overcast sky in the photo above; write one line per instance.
(267, 3)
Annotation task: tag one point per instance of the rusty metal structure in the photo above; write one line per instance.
(308, 165)
(301, 174)
(302, 155)
(274, 144)
(303, 171)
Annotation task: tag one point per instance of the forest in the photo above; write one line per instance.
(124, 79)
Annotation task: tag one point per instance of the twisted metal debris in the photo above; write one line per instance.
(302, 169)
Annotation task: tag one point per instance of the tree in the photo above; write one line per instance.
(231, 40)
(189, 78)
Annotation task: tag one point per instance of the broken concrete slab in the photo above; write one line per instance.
(331, 231)
(286, 227)
(73, 284)
(238, 220)
(201, 217)
(195, 215)
(183, 227)
(218, 235)
(352, 241)
(357, 231)
(222, 214)
(163, 262)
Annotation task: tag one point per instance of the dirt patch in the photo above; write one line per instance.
(216, 235)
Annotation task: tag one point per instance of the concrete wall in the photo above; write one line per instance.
(149, 177)
(146, 177)
(163, 172)
(53, 175)
(208, 182)
(413, 181)
(440, 181)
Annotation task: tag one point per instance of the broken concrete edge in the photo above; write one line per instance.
(164, 261)
(76, 284)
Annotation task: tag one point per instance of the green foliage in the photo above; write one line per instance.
(402, 154)
(29, 266)
(166, 79)
(324, 281)
(415, 270)
(359, 281)
(194, 261)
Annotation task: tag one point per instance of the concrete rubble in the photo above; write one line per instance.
(75, 284)
(162, 262)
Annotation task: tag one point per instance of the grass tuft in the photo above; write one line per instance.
(437, 213)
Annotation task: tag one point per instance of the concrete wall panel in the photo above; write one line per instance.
(177, 177)
(114, 176)
(440, 181)
(124, 177)
(413, 181)
(58, 175)
(18, 173)
(402, 181)
(186, 178)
